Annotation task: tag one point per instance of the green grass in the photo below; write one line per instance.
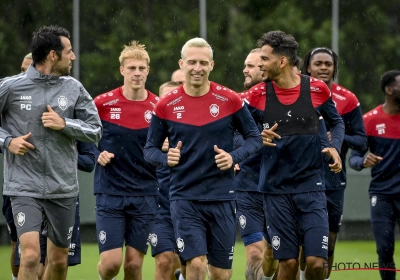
(346, 252)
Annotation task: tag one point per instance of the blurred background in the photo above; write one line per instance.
(367, 40)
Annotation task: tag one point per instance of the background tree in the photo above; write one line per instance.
(369, 36)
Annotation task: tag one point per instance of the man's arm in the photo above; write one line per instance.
(335, 122)
(86, 126)
(86, 156)
(155, 138)
(5, 136)
(246, 126)
(356, 160)
(355, 136)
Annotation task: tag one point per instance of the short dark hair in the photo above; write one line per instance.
(45, 39)
(314, 51)
(388, 78)
(298, 63)
(281, 43)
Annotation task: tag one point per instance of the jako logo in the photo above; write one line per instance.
(115, 109)
(26, 97)
(179, 108)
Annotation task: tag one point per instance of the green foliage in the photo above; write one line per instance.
(369, 36)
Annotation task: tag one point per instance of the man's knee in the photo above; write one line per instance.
(110, 266)
(30, 257)
(254, 253)
(316, 266)
(165, 261)
(197, 264)
(215, 273)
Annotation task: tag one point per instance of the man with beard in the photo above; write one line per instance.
(44, 112)
(382, 128)
(289, 106)
(250, 212)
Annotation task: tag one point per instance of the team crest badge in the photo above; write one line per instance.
(102, 237)
(62, 102)
(153, 239)
(147, 116)
(214, 110)
(276, 242)
(180, 244)
(70, 233)
(373, 200)
(242, 221)
(21, 219)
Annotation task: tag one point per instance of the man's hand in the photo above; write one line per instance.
(52, 120)
(19, 146)
(174, 154)
(268, 135)
(236, 167)
(337, 161)
(165, 146)
(223, 159)
(372, 160)
(105, 158)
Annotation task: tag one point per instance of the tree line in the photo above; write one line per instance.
(369, 36)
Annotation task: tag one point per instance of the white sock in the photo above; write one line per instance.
(181, 277)
(327, 279)
(13, 277)
(269, 278)
(302, 275)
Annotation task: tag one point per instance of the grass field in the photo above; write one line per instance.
(347, 254)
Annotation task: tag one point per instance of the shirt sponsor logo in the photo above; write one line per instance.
(26, 97)
(339, 96)
(220, 97)
(179, 109)
(112, 102)
(173, 102)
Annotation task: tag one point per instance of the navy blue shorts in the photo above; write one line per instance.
(334, 203)
(74, 253)
(124, 218)
(297, 219)
(250, 212)
(162, 238)
(8, 214)
(205, 228)
(385, 212)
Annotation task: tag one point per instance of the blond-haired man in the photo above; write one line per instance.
(125, 185)
(199, 120)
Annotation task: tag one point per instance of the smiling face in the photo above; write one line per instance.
(62, 66)
(321, 67)
(252, 74)
(135, 72)
(197, 65)
(269, 64)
